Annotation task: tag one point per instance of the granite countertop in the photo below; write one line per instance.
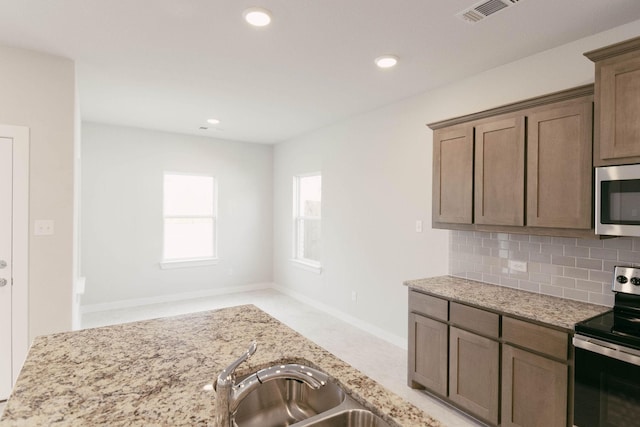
(554, 311)
(152, 372)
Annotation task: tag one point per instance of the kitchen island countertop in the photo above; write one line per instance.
(559, 312)
(152, 372)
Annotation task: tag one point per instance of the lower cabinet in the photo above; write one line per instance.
(474, 373)
(534, 390)
(501, 370)
(428, 358)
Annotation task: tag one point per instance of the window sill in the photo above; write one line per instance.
(309, 266)
(187, 263)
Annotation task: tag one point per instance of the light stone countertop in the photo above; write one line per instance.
(152, 372)
(554, 311)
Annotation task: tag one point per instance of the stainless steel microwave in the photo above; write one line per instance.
(618, 200)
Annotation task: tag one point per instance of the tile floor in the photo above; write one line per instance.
(377, 358)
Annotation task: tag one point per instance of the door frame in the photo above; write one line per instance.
(20, 246)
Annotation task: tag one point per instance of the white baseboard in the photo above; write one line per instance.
(115, 305)
(354, 321)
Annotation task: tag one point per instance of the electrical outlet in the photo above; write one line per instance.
(354, 296)
(519, 266)
(418, 226)
(81, 283)
(43, 227)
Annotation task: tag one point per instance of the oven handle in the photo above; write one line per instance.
(608, 349)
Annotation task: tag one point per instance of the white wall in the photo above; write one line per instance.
(377, 181)
(122, 172)
(38, 91)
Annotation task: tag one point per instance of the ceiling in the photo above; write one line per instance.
(171, 64)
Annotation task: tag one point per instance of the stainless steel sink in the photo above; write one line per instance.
(285, 395)
(350, 418)
(284, 402)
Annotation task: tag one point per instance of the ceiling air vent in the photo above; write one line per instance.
(481, 10)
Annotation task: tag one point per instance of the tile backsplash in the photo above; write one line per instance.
(578, 269)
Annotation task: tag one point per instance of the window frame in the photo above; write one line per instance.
(171, 263)
(304, 263)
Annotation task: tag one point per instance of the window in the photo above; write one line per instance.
(189, 220)
(307, 192)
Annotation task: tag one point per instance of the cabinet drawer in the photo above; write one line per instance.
(428, 305)
(535, 337)
(474, 319)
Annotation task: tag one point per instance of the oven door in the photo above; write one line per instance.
(618, 200)
(607, 384)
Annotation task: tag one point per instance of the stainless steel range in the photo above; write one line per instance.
(607, 359)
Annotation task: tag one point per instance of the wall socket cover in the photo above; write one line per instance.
(43, 227)
(520, 266)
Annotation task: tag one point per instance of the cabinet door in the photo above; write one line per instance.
(473, 373)
(499, 172)
(428, 353)
(534, 390)
(559, 166)
(618, 108)
(453, 175)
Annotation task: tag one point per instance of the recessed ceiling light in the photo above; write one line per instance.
(213, 121)
(257, 16)
(386, 61)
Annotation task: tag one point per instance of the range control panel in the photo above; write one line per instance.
(626, 280)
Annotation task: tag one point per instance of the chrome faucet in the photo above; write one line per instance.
(229, 394)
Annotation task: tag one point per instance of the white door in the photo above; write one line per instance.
(14, 253)
(6, 203)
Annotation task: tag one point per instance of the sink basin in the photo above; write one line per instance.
(284, 402)
(350, 418)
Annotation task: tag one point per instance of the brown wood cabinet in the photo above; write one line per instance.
(535, 375)
(617, 103)
(474, 373)
(428, 357)
(498, 369)
(534, 390)
(559, 165)
(550, 194)
(499, 171)
(453, 175)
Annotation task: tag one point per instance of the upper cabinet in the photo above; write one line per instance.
(453, 175)
(521, 168)
(559, 177)
(617, 103)
(499, 171)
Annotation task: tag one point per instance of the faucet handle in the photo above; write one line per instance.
(227, 374)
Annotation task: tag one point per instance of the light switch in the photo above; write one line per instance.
(418, 226)
(43, 227)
